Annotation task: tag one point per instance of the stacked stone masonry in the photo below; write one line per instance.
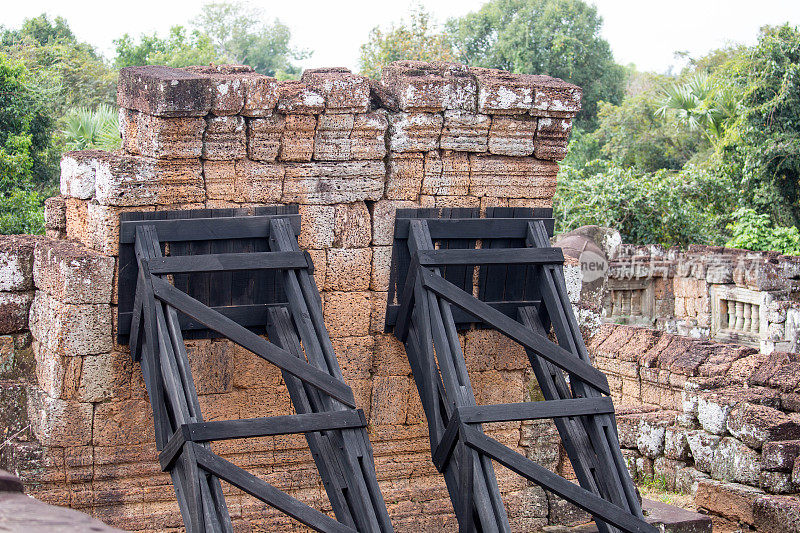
(349, 151)
(727, 295)
(718, 421)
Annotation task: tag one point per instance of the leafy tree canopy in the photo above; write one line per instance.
(754, 231)
(239, 36)
(415, 39)
(181, 48)
(556, 37)
(761, 149)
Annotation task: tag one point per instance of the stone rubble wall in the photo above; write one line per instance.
(679, 290)
(349, 151)
(718, 421)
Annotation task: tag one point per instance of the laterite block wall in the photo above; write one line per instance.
(348, 151)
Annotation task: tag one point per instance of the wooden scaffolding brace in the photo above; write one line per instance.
(520, 293)
(298, 344)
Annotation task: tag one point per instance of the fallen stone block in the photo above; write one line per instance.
(730, 500)
(703, 446)
(756, 424)
(777, 514)
(344, 92)
(164, 91)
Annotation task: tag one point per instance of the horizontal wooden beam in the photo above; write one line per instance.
(491, 256)
(215, 465)
(205, 229)
(473, 228)
(276, 425)
(540, 344)
(506, 412)
(182, 264)
(546, 479)
(249, 340)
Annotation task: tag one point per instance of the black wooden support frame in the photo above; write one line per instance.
(521, 293)
(298, 344)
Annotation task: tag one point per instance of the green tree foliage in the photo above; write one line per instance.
(239, 36)
(181, 48)
(755, 231)
(556, 37)
(86, 129)
(75, 74)
(415, 40)
(27, 154)
(761, 150)
(691, 206)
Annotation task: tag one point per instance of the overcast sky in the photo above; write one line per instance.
(643, 32)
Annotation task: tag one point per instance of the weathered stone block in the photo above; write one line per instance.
(102, 227)
(333, 183)
(258, 182)
(503, 93)
(225, 138)
(70, 329)
(57, 422)
(405, 176)
(447, 173)
(368, 138)
(465, 132)
(389, 400)
(125, 422)
(344, 92)
(777, 514)
(780, 456)
(381, 264)
(355, 358)
(509, 177)
(383, 214)
(161, 137)
(132, 180)
(297, 140)
(731, 500)
(776, 482)
(757, 424)
(512, 136)
(421, 86)
(332, 141)
(55, 214)
(264, 137)
(733, 461)
(164, 91)
(212, 363)
(650, 434)
(316, 226)
(552, 137)
(78, 174)
(347, 313)
(347, 269)
(414, 132)
(71, 273)
(14, 308)
(703, 446)
(352, 226)
(555, 98)
(260, 95)
(675, 444)
(227, 87)
(295, 97)
(16, 262)
(220, 179)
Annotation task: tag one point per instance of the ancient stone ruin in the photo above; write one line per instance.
(348, 151)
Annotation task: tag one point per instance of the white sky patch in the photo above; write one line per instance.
(643, 32)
